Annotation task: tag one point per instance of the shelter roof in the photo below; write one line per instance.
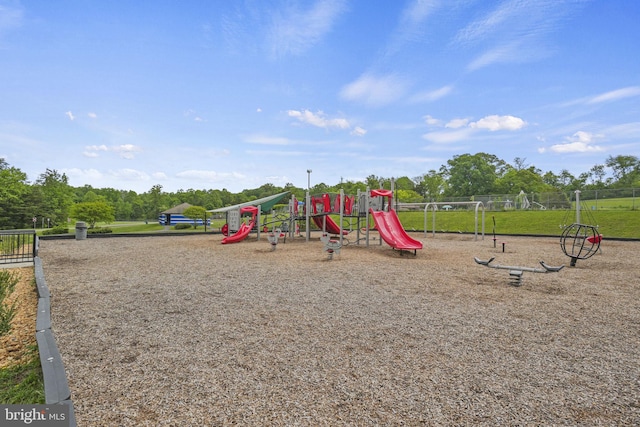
(265, 203)
(177, 209)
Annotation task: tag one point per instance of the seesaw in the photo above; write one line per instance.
(516, 272)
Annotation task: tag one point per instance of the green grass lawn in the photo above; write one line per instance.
(614, 220)
(616, 203)
(620, 224)
(22, 384)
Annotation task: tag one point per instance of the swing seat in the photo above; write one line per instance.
(595, 239)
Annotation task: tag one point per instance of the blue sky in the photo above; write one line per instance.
(236, 94)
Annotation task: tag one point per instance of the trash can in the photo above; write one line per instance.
(81, 230)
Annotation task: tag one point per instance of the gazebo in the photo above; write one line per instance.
(174, 215)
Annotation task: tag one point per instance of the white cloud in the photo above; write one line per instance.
(615, 95)
(358, 131)
(92, 115)
(375, 91)
(515, 31)
(70, 115)
(457, 123)
(411, 25)
(83, 174)
(495, 123)
(508, 52)
(126, 151)
(579, 142)
(431, 121)
(318, 119)
(295, 31)
(448, 137)
(462, 128)
(433, 95)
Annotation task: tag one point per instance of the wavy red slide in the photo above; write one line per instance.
(392, 231)
(239, 235)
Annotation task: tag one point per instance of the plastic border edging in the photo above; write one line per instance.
(56, 387)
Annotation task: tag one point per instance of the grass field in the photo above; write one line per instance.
(611, 223)
(615, 218)
(619, 224)
(619, 203)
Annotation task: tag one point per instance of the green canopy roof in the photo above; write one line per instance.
(266, 203)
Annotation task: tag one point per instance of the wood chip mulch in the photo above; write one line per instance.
(186, 331)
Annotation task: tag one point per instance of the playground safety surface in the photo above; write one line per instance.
(186, 331)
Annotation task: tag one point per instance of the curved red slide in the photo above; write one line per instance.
(239, 235)
(392, 232)
(244, 229)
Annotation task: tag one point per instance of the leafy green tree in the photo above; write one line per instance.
(404, 183)
(196, 213)
(408, 196)
(596, 175)
(91, 196)
(154, 202)
(373, 182)
(431, 185)
(13, 190)
(470, 175)
(515, 180)
(352, 187)
(320, 188)
(57, 196)
(626, 169)
(93, 212)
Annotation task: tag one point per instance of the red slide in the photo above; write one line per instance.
(392, 232)
(245, 229)
(332, 227)
(239, 235)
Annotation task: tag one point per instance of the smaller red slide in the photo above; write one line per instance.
(245, 229)
(332, 227)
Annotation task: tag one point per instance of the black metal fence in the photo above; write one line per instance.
(18, 246)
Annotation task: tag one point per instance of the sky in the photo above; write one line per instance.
(237, 94)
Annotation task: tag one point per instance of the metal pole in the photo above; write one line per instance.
(308, 203)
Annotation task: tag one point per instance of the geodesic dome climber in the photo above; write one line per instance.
(580, 241)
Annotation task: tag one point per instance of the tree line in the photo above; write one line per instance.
(50, 200)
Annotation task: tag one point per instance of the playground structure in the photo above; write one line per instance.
(515, 273)
(580, 241)
(376, 204)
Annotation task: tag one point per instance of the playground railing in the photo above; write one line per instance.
(18, 246)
